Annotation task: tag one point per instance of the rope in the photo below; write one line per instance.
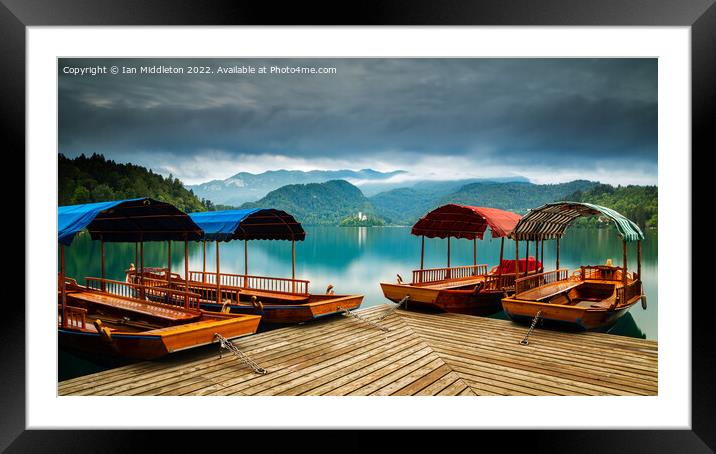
(388, 312)
(225, 344)
(526, 341)
(392, 309)
(363, 319)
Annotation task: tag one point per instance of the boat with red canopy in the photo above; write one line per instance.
(471, 289)
(592, 297)
(144, 319)
(278, 300)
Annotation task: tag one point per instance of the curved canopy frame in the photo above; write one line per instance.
(131, 220)
(249, 224)
(463, 221)
(550, 221)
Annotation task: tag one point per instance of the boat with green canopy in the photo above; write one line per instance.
(277, 299)
(592, 297)
(144, 319)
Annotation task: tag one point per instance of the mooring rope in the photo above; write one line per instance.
(385, 314)
(526, 340)
(392, 309)
(225, 344)
(363, 319)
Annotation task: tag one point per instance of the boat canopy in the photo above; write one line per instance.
(551, 220)
(249, 224)
(131, 220)
(463, 221)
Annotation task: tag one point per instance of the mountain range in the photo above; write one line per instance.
(333, 201)
(248, 187)
(95, 179)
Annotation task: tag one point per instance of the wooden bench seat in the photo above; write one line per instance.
(136, 306)
(452, 283)
(548, 291)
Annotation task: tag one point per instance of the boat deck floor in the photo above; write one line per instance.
(140, 307)
(420, 354)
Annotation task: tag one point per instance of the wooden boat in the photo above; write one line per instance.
(590, 298)
(277, 300)
(140, 321)
(463, 289)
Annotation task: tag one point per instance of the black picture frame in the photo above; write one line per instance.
(700, 15)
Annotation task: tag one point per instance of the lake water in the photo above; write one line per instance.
(356, 259)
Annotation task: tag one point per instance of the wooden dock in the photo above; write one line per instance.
(421, 354)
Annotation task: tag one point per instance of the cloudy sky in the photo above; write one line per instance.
(549, 120)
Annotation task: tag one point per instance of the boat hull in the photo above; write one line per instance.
(286, 313)
(484, 302)
(564, 317)
(155, 343)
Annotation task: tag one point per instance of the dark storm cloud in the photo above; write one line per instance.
(521, 111)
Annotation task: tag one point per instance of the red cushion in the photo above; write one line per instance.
(508, 266)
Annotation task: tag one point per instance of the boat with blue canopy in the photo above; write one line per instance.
(592, 297)
(145, 319)
(277, 299)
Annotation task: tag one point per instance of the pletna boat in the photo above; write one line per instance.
(278, 300)
(462, 289)
(140, 320)
(592, 297)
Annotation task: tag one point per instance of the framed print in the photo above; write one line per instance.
(442, 219)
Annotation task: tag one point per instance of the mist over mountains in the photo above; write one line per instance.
(96, 179)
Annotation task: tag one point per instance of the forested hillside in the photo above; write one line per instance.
(96, 179)
(406, 205)
(317, 203)
(638, 203)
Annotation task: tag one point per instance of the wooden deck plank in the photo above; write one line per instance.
(410, 378)
(424, 381)
(205, 361)
(370, 369)
(421, 354)
(279, 364)
(271, 339)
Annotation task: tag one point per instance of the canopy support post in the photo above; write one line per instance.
(638, 258)
(557, 252)
(542, 254)
(218, 276)
(502, 249)
(447, 274)
(63, 291)
(186, 273)
(517, 258)
(624, 273)
(527, 257)
(474, 252)
(422, 253)
(169, 263)
(141, 265)
(293, 266)
(203, 269)
(536, 256)
(102, 260)
(246, 263)
(136, 257)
